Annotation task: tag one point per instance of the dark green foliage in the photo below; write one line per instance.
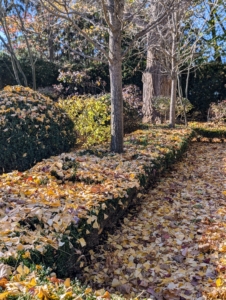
(32, 127)
(207, 84)
(46, 72)
(6, 72)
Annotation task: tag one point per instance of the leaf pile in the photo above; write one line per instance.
(174, 246)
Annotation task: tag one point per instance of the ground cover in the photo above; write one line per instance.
(56, 211)
(173, 246)
(39, 219)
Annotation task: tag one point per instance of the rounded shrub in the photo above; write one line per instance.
(32, 127)
(217, 112)
(91, 117)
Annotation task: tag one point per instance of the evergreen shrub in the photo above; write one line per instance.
(32, 127)
(217, 112)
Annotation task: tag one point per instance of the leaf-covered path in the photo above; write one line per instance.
(174, 246)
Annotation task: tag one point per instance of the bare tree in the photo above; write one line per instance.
(117, 18)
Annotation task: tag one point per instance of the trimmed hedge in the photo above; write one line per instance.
(209, 130)
(79, 194)
(32, 127)
(67, 201)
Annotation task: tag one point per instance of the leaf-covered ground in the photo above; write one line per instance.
(171, 247)
(38, 205)
(174, 246)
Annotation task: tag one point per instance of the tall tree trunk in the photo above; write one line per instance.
(165, 85)
(173, 101)
(51, 47)
(173, 72)
(115, 69)
(151, 87)
(155, 84)
(15, 70)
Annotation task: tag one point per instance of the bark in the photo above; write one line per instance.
(15, 72)
(165, 85)
(51, 47)
(173, 101)
(173, 73)
(180, 92)
(151, 88)
(115, 69)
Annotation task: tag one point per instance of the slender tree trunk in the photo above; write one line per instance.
(116, 9)
(180, 92)
(51, 47)
(173, 73)
(15, 70)
(173, 101)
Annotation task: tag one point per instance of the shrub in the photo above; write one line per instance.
(217, 112)
(132, 97)
(32, 127)
(162, 105)
(91, 117)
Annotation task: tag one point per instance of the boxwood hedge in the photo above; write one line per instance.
(32, 127)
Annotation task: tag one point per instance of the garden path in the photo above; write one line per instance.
(174, 245)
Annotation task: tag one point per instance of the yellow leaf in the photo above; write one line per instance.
(3, 296)
(106, 295)
(26, 255)
(88, 291)
(82, 242)
(23, 270)
(95, 225)
(42, 294)
(20, 247)
(67, 282)
(32, 282)
(219, 282)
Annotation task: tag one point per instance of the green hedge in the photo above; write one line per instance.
(32, 127)
(101, 189)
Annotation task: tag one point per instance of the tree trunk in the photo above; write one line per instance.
(115, 70)
(15, 70)
(51, 46)
(155, 83)
(173, 101)
(151, 88)
(165, 85)
(173, 72)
